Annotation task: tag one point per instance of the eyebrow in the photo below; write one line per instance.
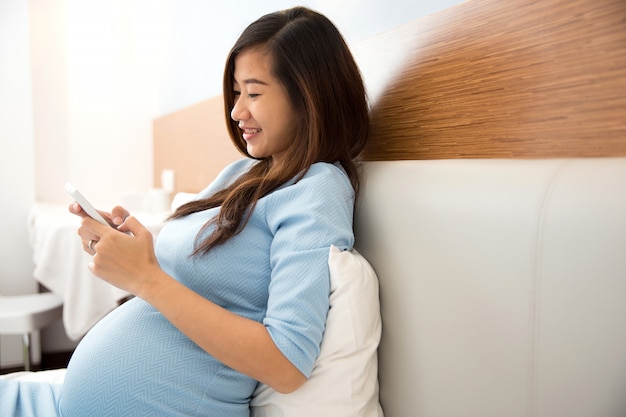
(252, 81)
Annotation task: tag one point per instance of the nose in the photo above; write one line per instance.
(239, 110)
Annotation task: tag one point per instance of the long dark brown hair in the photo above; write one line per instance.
(313, 63)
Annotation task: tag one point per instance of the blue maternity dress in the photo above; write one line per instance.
(134, 362)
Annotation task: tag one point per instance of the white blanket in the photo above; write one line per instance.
(55, 376)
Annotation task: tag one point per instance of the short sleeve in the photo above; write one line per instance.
(305, 218)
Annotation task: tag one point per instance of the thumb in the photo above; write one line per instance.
(133, 226)
(118, 214)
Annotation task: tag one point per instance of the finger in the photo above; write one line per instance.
(93, 227)
(134, 226)
(86, 235)
(89, 246)
(88, 240)
(118, 215)
(76, 209)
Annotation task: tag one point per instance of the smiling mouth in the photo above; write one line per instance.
(250, 133)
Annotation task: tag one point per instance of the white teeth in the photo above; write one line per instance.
(251, 131)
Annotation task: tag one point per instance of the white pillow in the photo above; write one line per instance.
(344, 381)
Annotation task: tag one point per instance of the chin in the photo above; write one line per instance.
(255, 153)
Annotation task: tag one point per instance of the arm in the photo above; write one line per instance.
(243, 344)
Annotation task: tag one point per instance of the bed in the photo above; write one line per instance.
(494, 206)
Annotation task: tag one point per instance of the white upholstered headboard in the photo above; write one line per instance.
(494, 210)
(502, 284)
(494, 207)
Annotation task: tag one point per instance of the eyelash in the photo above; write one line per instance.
(238, 93)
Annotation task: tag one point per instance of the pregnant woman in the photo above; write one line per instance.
(236, 288)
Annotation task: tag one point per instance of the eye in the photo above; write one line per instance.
(253, 95)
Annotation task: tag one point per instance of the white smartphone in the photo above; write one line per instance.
(86, 205)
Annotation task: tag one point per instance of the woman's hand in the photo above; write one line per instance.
(115, 218)
(123, 255)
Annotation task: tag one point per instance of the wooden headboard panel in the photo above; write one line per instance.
(501, 79)
(483, 79)
(194, 143)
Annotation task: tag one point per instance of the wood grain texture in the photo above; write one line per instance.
(500, 79)
(194, 143)
(483, 79)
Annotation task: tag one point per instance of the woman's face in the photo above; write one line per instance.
(262, 107)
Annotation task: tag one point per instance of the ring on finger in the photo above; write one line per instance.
(90, 245)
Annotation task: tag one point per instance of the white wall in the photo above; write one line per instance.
(202, 34)
(16, 159)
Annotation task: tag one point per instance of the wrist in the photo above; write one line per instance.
(154, 284)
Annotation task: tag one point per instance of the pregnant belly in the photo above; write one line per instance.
(134, 362)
